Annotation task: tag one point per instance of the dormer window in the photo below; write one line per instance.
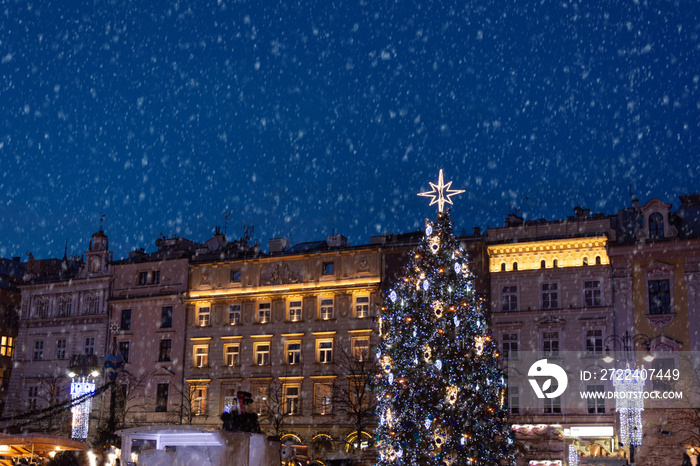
(656, 226)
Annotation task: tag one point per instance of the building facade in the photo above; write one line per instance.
(62, 329)
(551, 298)
(147, 325)
(656, 280)
(280, 326)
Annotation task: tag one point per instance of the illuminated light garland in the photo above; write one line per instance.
(630, 408)
(573, 456)
(438, 308)
(81, 411)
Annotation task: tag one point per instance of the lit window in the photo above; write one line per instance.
(509, 298)
(203, 316)
(327, 309)
(550, 344)
(294, 311)
(201, 355)
(291, 399)
(659, 297)
(592, 293)
(594, 342)
(656, 226)
(234, 314)
(325, 351)
(322, 398)
(232, 354)
(260, 399)
(199, 400)
(293, 352)
(60, 349)
(361, 306)
(166, 317)
(264, 315)
(550, 296)
(262, 354)
(124, 347)
(235, 276)
(90, 345)
(38, 350)
(510, 345)
(7, 346)
(360, 348)
(514, 399)
(165, 350)
(596, 405)
(162, 397)
(328, 268)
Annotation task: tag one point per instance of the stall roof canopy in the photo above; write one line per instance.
(34, 445)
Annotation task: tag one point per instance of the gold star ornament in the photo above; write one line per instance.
(441, 193)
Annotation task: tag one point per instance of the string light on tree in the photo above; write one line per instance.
(450, 405)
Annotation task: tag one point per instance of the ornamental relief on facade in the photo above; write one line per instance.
(280, 274)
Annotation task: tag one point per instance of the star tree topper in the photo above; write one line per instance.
(441, 193)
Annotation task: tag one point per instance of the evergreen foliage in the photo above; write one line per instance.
(441, 391)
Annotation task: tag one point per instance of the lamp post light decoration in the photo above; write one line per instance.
(81, 385)
(630, 407)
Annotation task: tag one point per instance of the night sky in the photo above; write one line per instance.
(303, 117)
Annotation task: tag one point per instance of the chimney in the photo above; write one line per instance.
(278, 245)
(337, 241)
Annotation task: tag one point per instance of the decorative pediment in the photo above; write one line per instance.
(280, 274)
(551, 321)
(162, 372)
(659, 270)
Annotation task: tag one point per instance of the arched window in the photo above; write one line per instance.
(95, 265)
(503, 266)
(45, 309)
(543, 264)
(88, 304)
(656, 226)
(585, 261)
(515, 266)
(555, 263)
(36, 311)
(61, 307)
(69, 306)
(597, 260)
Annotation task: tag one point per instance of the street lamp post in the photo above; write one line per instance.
(629, 408)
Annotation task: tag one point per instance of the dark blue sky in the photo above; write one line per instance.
(302, 117)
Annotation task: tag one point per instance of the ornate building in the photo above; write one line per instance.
(148, 326)
(62, 328)
(656, 283)
(281, 326)
(551, 298)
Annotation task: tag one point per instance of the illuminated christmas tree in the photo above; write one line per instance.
(441, 391)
